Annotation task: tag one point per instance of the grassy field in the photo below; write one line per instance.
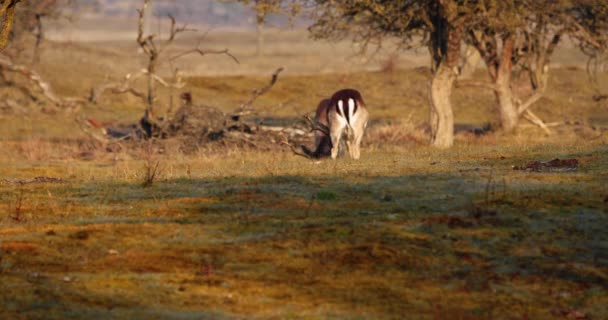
(407, 232)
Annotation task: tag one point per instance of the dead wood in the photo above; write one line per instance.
(118, 88)
(39, 179)
(555, 165)
(47, 90)
(316, 125)
(245, 108)
(530, 116)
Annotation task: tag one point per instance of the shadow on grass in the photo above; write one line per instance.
(382, 247)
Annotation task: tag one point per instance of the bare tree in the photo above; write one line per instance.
(155, 49)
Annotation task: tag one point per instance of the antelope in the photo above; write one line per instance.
(343, 115)
(347, 116)
(321, 126)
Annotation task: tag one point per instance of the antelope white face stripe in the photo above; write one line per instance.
(341, 107)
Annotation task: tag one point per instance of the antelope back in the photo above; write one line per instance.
(345, 103)
(347, 116)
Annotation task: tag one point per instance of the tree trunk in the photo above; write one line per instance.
(7, 15)
(470, 63)
(445, 51)
(442, 117)
(509, 117)
(148, 16)
(151, 96)
(261, 18)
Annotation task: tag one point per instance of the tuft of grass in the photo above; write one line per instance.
(152, 165)
(326, 195)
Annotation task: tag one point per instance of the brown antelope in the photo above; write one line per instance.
(322, 140)
(344, 114)
(347, 116)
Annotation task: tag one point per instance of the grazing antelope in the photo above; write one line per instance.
(347, 116)
(322, 140)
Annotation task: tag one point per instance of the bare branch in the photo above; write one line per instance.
(316, 125)
(203, 53)
(175, 30)
(295, 150)
(585, 36)
(119, 88)
(175, 85)
(258, 92)
(530, 116)
(529, 102)
(44, 86)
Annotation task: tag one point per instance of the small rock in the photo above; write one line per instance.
(366, 213)
(80, 235)
(387, 198)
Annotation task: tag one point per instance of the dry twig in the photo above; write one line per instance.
(245, 108)
(7, 64)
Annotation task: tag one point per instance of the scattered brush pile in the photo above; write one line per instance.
(192, 127)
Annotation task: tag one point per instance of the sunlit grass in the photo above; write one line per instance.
(275, 236)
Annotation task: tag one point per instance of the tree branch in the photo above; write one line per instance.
(529, 102)
(204, 52)
(476, 84)
(530, 116)
(118, 88)
(44, 86)
(295, 150)
(316, 125)
(243, 109)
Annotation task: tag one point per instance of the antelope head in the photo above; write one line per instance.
(320, 127)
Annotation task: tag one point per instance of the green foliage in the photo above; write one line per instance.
(326, 195)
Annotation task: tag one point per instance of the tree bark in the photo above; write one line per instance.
(442, 117)
(509, 117)
(151, 95)
(445, 48)
(7, 15)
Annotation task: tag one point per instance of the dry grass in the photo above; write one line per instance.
(229, 232)
(273, 236)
